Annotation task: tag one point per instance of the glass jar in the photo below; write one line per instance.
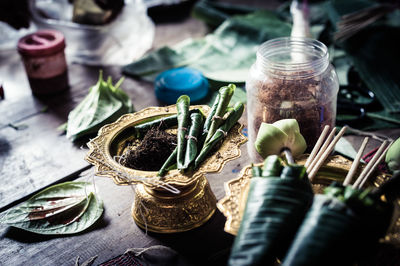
(291, 78)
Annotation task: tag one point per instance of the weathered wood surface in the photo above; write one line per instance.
(37, 155)
(33, 154)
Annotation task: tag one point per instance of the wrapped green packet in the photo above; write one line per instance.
(182, 106)
(275, 208)
(192, 138)
(220, 133)
(225, 95)
(208, 120)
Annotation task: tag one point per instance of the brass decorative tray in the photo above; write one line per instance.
(232, 205)
(112, 139)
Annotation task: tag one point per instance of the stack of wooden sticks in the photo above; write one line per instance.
(324, 147)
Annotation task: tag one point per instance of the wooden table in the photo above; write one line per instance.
(34, 155)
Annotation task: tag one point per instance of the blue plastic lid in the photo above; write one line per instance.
(171, 84)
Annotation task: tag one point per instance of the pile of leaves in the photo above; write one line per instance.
(366, 62)
(65, 208)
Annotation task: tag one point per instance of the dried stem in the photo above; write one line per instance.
(317, 146)
(369, 165)
(321, 151)
(375, 166)
(325, 155)
(288, 154)
(355, 163)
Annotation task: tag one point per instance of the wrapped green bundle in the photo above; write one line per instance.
(182, 106)
(208, 121)
(225, 95)
(161, 123)
(194, 131)
(104, 104)
(276, 205)
(341, 226)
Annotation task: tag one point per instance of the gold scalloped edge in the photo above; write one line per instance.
(229, 205)
(236, 191)
(105, 165)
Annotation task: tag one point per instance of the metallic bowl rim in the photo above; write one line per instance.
(99, 151)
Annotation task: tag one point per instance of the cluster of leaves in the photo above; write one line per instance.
(65, 208)
(277, 202)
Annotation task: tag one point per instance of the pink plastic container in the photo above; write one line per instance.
(43, 56)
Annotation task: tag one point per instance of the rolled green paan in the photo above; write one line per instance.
(276, 205)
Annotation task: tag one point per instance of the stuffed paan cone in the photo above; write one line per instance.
(276, 205)
(182, 106)
(338, 232)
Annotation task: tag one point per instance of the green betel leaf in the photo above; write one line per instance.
(214, 13)
(270, 140)
(275, 208)
(220, 133)
(209, 119)
(65, 208)
(120, 94)
(295, 140)
(171, 160)
(285, 133)
(104, 104)
(344, 147)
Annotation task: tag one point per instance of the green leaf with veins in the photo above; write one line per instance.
(65, 208)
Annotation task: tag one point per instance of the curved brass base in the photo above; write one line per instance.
(164, 212)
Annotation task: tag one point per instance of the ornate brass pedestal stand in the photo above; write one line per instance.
(164, 212)
(176, 202)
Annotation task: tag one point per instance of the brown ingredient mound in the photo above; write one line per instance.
(152, 151)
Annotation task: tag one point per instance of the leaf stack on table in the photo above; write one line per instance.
(104, 104)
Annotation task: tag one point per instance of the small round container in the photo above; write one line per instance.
(292, 78)
(171, 84)
(43, 56)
